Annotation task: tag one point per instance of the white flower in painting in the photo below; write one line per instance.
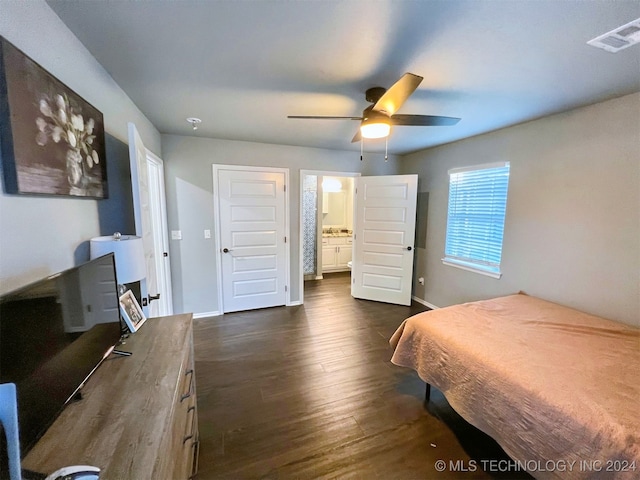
(71, 137)
(56, 133)
(62, 105)
(45, 108)
(41, 123)
(63, 122)
(77, 122)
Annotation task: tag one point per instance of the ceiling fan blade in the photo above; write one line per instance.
(423, 120)
(357, 137)
(397, 94)
(322, 117)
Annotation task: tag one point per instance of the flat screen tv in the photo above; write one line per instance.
(53, 334)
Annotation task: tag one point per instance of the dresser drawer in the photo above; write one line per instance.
(184, 446)
(186, 456)
(339, 240)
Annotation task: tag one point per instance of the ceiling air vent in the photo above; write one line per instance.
(618, 38)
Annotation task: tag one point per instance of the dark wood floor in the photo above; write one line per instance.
(309, 392)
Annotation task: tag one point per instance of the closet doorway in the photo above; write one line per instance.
(326, 223)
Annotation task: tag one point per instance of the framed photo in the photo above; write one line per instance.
(52, 140)
(131, 311)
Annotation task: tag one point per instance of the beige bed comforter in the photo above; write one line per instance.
(558, 389)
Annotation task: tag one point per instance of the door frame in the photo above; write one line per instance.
(218, 240)
(165, 274)
(319, 173)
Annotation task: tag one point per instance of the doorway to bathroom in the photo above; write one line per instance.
(326, 223)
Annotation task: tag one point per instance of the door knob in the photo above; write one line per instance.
(149, 298)
(409, 248)
(226, 250)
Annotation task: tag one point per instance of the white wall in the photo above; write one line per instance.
(189, 181)
(572, 232)
(43, 235)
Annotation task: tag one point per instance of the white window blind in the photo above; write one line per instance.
(475, 220)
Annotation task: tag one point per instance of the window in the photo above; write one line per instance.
(475, 221)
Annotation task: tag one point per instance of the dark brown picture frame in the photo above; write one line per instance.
(52, 141)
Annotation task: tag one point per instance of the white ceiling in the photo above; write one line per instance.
(243, 66)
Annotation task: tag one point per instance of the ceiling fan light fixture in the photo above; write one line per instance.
(375, 127)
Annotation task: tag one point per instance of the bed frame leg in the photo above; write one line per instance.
(427, 393)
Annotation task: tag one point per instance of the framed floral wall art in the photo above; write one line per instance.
(52, 141)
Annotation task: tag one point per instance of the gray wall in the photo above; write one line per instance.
(43, 235)
(572, 232)
(189, 184)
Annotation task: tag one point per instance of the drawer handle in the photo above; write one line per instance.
(190, 390)
(196, 454)
(192, 408)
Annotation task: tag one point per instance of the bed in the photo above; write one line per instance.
(558, 389)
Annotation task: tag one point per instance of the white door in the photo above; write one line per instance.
(143, 219)
(158, 202)
(385, 220)
(252, 237)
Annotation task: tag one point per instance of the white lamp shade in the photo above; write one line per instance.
(129, 255)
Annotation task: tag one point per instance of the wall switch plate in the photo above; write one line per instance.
(176, 235)
(207, 234)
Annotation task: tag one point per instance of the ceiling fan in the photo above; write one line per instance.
(377, 118)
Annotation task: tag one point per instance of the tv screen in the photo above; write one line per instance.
(53, 334)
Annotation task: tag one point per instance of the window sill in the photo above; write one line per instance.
(470, 267)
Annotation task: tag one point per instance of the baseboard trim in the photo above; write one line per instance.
(425, 303)
(217, 313)
(207, 314)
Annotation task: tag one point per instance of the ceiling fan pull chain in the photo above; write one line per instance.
(361, 147)
(386, 148)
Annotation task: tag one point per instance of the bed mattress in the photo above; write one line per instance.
(557, 388)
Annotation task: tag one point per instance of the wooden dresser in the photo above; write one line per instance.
(137, 418)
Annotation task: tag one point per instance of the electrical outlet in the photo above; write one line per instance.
(176, 235)
(421, 280)
(207, 234)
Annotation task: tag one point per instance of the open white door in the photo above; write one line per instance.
(385, 221)
(143, 219)
(158, 202)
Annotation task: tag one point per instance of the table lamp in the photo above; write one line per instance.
(129, 256)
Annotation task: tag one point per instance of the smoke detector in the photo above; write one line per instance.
(194, 122)
(618, 38)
